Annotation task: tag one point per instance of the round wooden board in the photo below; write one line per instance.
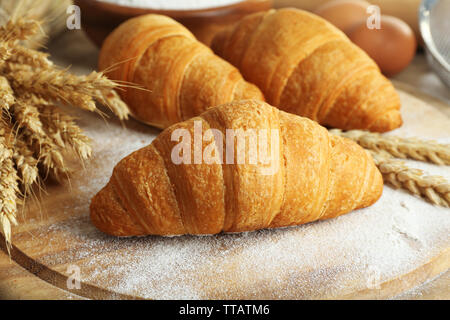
(378, 252)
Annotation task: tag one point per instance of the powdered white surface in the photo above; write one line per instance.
(324, 259)
(173, 4)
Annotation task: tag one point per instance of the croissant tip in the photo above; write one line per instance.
(98, 219)
(104, 213)
(387, 122)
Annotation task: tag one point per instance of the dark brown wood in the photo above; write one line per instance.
(100, 18)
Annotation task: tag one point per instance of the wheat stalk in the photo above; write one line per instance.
(34, 132)
(27, 164)
(27, 115)
(23, 157)
(9, 188)
(50, 12)
(433, 188)
(46, 150)
(14, 31)
(403, 148)
(44, 147)
(64, 130)
(6, 94)
(385, 148)
(25, 56)
(51, 84)
(5, 151)
(58, 85)
(18, 29)
(111, 99)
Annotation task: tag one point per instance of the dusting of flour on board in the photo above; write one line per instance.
(323, 259)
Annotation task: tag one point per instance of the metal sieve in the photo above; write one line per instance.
(434, 22)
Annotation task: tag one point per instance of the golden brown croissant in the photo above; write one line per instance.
(183, 76)
(316, 176)
(306, 66)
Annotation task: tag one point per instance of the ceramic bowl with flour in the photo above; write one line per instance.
(203, 17)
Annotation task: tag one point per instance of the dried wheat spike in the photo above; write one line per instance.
(14, 31)
(9, 190)
(23, 157)
(403, 148)
(19, 29)
(27, 165)
(8, 198)
(434, 188)
(112, 100)
(34, 133)
(6, 94)
(48, 153)
(63, 129)
(45, 149)
(27, 115)
(58, 85)
(25, 56)
(5, 151)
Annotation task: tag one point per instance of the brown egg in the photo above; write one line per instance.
(393, 46)
(344, 14)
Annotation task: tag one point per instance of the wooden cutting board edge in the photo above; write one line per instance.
(23, 278)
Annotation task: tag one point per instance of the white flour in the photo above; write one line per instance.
(174, 4)
(322, 259)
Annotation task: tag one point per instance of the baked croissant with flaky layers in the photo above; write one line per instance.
(306, 66)
(309, 175)
(182, 76)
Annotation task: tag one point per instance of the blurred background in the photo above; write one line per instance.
(397, 43)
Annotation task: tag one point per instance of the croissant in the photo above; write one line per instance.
(315, 176)
(183, 77)
(306, 66)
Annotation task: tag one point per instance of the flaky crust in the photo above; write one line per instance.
(306, 66)
(182, 77)
(319, 177)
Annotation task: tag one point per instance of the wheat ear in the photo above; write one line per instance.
(63, 129)
(26, 163)
(52, 84)
(9, 188)
(19, 29)
(25, 56)
(433, 188)
(14, 31)
(112, 100)
(23, 157)
(6, 94)
(8, 198)
(45, 149)
(403, 148)
(27, 115)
